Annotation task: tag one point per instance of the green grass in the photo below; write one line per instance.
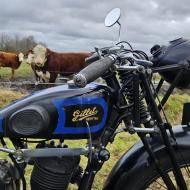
(122, 142)
(174, 107)
(24, 71)
(156, 77)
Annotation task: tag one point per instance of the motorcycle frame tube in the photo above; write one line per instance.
(170, 89)
(183, 65)
(151, 101)
(136, 115)
(159, 86)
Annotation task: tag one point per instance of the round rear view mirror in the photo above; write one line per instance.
(112, 17)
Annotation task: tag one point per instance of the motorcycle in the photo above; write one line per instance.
(86, 110)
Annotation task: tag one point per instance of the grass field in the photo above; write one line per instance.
(24, 71)
(122, 142)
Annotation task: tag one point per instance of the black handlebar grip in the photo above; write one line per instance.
(93, 71)
(92, 58)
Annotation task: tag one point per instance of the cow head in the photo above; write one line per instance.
(21, 57)
(30, 57)
(37, 56)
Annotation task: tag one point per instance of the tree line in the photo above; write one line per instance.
(17, 44)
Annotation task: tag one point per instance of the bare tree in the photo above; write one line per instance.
(17, 44)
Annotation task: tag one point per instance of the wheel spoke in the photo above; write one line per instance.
(187, 170)
(161, 185)
(158, 184)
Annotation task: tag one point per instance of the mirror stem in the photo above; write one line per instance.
(119, 30)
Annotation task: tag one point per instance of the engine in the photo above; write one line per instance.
(55, 173)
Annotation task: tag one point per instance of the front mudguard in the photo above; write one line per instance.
(137, 159)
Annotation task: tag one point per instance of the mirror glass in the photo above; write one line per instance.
(112, 17)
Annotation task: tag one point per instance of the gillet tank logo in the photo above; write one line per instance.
(88, 114)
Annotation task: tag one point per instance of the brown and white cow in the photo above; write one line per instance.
(11, 60)
(48, 64)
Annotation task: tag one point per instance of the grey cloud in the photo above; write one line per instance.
(67, 25)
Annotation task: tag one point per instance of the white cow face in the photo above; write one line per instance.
(30, 58)
(39, 55)
(21, 57)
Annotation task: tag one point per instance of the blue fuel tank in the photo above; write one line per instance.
(58, 112)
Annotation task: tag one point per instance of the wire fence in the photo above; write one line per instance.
(29, 86)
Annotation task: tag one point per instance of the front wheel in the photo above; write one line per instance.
(150, 179)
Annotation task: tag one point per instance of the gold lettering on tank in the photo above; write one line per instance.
(87, 114)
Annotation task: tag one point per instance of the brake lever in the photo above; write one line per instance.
(141, 62)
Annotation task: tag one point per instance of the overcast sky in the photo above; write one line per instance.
(78, 25)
